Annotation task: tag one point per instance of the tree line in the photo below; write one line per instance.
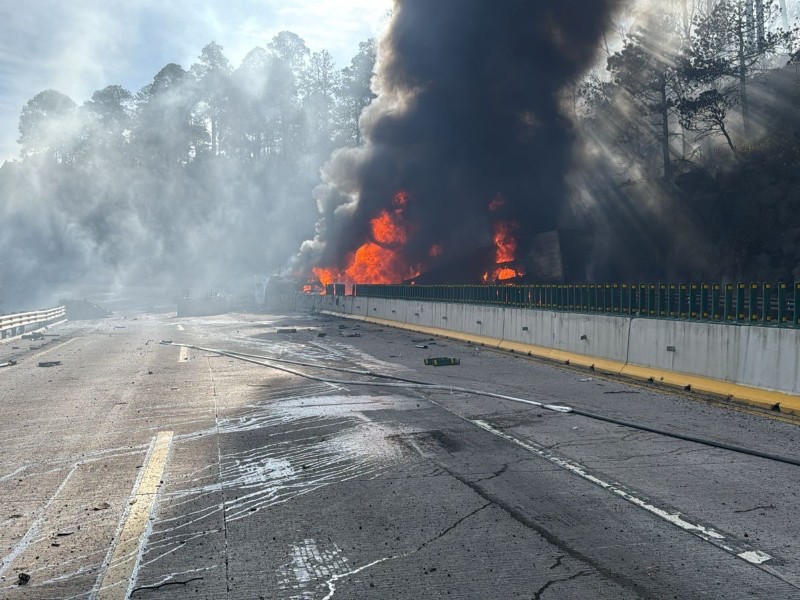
(201, 178)
(685, 74)
(691, 143)
(283, 100)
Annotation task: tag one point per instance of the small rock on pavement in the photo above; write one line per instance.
(23, 578)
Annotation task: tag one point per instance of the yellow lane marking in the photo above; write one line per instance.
(126, 553)
(184, 354)
(771, 400)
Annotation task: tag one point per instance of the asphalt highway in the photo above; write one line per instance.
(143, 464)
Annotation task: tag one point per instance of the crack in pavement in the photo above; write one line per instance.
(538, 594)
(331, 583)
(522, 519)
(497, 473)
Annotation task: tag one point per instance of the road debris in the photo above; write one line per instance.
(64, 533)
(442, 362)
(50, 363)
(286, 330)
(321, 334)
(354, 334)
(166, 342)
(10, 363)
(23, 578)
(33, 336)
(421, 346)
(102, 506)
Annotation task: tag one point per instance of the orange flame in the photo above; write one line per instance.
(378, 260)
(387, 230)
(505, 251)
(505, 242)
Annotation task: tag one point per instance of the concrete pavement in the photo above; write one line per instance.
(276, 486)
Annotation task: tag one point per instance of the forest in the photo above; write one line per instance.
(200, 179)
(685, 158)
(695, 117)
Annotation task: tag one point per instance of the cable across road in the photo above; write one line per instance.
(394, 381)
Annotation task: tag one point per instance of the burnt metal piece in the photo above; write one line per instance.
(50, 363)
(442, 362)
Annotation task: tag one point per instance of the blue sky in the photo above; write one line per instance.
(78, 46)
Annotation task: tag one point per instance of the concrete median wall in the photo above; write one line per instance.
(763, 358)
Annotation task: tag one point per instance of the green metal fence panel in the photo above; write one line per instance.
(742, 303)
(767, 314)
(782, 309)
(741, 306)
(728, 313)
(752, 303)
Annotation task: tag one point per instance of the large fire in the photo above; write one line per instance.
(381, 259)
(378, 260)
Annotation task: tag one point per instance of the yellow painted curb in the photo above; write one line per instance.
(766, 399)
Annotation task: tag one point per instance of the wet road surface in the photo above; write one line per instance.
(160, 471)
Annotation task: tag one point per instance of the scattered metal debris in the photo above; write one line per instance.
(585, 379)
(442, 362)
(166, 342)
(50, 363)
(64, 533)
(286, 330)
(35, 335)
(421, 346)
(10, 363)
(321, 334)
(101, 506)
(354, 334)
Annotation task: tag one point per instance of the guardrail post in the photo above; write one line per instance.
(740, 304)
(766, 304)
(783, 314)
(753, 303)
(796, 305)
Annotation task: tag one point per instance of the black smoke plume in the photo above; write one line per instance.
(468, 110)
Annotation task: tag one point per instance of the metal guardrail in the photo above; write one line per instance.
(11, 325)
(742, 303)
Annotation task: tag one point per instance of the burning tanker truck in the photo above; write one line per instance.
(462, 174)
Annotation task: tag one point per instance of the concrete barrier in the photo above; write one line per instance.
(760, 365)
